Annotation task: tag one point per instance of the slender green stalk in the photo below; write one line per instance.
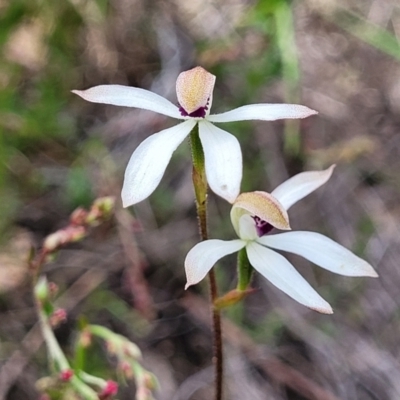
(56, 354)
(364, 30)
(58, 358)
(79, 359)
(245, 270)
(200, 188)
(285, 37)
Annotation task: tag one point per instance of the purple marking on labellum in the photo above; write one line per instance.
(199, 113)
(262, 227)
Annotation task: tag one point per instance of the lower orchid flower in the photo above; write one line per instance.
(253, 216)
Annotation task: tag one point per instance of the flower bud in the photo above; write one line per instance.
(132, 350)
(85, 339)
(109, 390)
(232, 297)
(63, 236)
(126, 369)
(57, 317)
(42, 289)
(143, 393)
(150, 381)
(101, 210)
(66, 375)
(78, 217)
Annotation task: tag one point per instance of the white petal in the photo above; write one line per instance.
(284, 276)
(247, 228)
(301, 185)
(149, 161)
(264, 112)
(202, 257)
(223, 159)
(128, 96)
(320, 250)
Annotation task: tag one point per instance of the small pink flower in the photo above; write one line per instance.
(58, 316)
(66, 375)
(111, 389)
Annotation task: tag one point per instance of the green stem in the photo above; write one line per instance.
(245, 270)
(58, 358)
(79, 356)
(55, 352)
(101, 331)
(285, 37)
(200, 188)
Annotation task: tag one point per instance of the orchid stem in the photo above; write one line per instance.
(200, 188)
(245, 270)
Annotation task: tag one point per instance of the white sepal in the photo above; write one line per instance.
(301, 185)
(320, 250)
(223, 160)
(263, 112)
(149, 161)
(202, 257)
(128, 96)
(284, 276)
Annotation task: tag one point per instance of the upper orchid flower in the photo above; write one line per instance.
(223, 157)
(253, 215)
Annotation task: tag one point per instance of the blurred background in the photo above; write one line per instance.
(58, 152)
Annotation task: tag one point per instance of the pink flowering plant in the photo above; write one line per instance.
(69, 379)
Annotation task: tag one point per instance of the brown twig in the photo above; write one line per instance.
(137, 281)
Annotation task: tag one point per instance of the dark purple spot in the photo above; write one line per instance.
(262, 227)
(199, 113)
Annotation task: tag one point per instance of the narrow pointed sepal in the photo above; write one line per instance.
(322, 251)
(301, 185)
(264, 112)
(202, 257)
(223, 160)
(149, 161)
(127, 96)
(281, 273)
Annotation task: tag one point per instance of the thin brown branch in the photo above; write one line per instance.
(137, 282)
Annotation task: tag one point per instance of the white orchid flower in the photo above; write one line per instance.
(223, 157)
(253, 215)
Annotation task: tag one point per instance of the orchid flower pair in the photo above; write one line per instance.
(253, 214)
